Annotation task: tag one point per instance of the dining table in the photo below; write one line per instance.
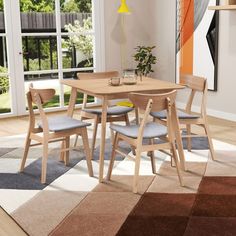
(105, 92)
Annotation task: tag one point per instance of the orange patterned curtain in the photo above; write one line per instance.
(186, 36)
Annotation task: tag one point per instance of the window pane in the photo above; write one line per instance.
(3, 55)
(77, 51)
(5, 95)
(5, 98)
(38, 16)
(76, 11)
(2, 20)
(39, 53)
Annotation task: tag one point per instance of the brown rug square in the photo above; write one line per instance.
(162, 204)
(215, 205)
(108, 203)
(90, 225)
(218, 185)
(153, 226)
(206, 226)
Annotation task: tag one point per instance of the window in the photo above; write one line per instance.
(54, 39)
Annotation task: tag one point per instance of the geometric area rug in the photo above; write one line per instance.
(205, 206)
(211, 211)
(72, 203)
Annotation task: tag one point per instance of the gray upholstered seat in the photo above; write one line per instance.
(151, 130)
(60, 123)
(115, 110)
(181, 115)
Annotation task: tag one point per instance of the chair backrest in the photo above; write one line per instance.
(153, 103)
(38, 97)
(159, 101)
(95, 75)
(196, 84)
(98, 75)
(45, 95)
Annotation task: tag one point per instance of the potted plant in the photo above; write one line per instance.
(145, 60)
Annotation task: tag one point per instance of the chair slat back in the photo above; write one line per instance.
(44, 94)
(39, 97)
(194, 82)
(97, 75)
(31, 110)
(159, 101)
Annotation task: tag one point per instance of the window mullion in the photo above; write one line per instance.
(59, 49)
(15, 58)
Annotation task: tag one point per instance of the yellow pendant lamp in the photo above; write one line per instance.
(123, 8)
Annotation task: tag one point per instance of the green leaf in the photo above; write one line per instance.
(145, 59)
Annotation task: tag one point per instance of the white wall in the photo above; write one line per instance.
(121, 41)
(152, 22)
(162, 27)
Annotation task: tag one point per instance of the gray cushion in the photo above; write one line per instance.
(151, 130)
(60, 123)
(181, 115)
(115, 110)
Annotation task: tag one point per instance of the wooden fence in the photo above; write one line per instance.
(39, 21)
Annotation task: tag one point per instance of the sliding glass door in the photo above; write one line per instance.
(52, 40)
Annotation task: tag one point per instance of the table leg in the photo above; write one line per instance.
(72, 102)
(178, 137)
(103, 138)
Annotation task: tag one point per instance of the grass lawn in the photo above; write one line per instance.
(5, 103)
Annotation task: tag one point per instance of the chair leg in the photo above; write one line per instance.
(84, 135)
(62, 153)
(211, 147)
(67, 152)
(94, 136)
(26, 151)
(128, 123)
(127, 119)
(77, 136)
(112, 134)
(44, 162)
(189, 146)
(152, 156)
(113, 154)
(175, 157)
(136, 116)
(76, 140)
(172, 163)
(136, 171)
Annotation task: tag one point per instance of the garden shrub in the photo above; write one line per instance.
(4, 81)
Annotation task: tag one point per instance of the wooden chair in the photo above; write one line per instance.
(135, 135)
(52, 129)
(114, 113)
(196, 84)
